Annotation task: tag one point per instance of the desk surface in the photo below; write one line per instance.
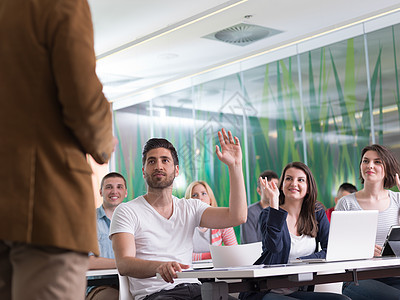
(275, 270)
(102, 272)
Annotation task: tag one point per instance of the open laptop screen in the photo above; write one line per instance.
(352, 235)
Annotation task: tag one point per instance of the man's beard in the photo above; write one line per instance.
(160, 184)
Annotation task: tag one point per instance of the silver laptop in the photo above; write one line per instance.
(352, 236)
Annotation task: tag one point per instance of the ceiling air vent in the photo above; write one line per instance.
(242, 34)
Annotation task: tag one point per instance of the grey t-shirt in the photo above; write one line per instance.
(249, 231)
(201, 240)
(386, 218)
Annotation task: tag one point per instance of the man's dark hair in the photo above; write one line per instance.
(348, 187)
(112, 175)
(267, 173)
(159, 143)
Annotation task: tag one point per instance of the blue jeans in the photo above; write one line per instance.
(384, 288)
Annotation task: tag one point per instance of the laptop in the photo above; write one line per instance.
(352, 236)
(235, 255)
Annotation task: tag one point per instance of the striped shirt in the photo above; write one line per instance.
(202, 240)
(386, 218)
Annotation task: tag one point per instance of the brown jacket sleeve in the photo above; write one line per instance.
(85, 109)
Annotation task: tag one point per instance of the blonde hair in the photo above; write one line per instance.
(189, 190)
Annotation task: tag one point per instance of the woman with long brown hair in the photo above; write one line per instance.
(291, 228)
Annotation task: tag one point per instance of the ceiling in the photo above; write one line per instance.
(139, 44)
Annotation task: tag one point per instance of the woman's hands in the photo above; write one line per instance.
(378, 250)
(271, 191)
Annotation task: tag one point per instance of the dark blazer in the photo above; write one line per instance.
(276, 237)
(276, 241)
(53, 113)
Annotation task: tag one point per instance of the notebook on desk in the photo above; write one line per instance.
(351, 236)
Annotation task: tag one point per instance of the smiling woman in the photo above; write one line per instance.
(292, 227)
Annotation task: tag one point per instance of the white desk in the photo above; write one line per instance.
(261, 278)
(202, 264)
(101, 272)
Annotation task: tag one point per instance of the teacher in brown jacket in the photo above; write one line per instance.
(52, 114)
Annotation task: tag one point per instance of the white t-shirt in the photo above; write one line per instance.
(302, 245)
(299, 246)
(158, 238)
(386, 218)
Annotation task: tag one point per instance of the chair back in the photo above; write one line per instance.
(124, 293)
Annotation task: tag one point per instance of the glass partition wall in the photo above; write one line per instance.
(319, 106)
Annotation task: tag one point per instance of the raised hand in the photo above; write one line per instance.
(230, 153)
(270, 191)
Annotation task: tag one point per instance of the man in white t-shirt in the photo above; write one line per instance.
(153, 233)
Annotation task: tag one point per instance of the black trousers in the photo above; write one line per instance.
(183, 291)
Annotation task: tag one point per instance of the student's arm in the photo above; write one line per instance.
(96, 263)
(236, 213)
(128, 265)
(272, 224)
(272, 220)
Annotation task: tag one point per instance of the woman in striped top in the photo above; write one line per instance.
(203, 237)
(379, 171)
